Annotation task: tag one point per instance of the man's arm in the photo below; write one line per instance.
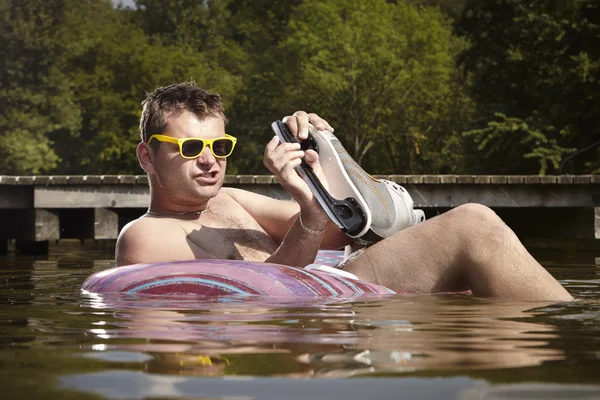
(300, 228)
(278, 216)
(298, 246)
(142, 241)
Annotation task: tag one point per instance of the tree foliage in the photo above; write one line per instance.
(36, 96)
(382, 72)
(521, 99)
(537, 62)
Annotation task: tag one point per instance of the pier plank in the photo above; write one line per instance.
(246, 179)
(431, 179)
(498, 179)
(565, 179)
(447, 179)
(548, 179)
(481, 179)
(58, 180)
(399, 179)
(127, 179)
(92, 179)
(514, 179)
(9, 180)
(230, 180)
(414, 179)
(110, 179)
(465, 179)
(264, 179)
(91, 196)
(582, 179)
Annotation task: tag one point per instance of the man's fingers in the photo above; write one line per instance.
(272, 145)
(287, 172)
(302, 120)
(283, 158)
(299, 122)
(277, 154)
(312, 158)
(294, 163)
(281, 162)
(275, 148)
(319, 122)
(292, 124)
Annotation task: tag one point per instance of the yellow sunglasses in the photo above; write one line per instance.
(192, 147)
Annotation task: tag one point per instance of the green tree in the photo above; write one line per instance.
(259, 26)
(383, 73)
(36, 96)
(535, 73)
(72, 77)
(113, 73)
(452, 8)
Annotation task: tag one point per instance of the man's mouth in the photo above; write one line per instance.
(208, 178)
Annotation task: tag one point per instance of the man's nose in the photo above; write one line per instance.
(206, 157)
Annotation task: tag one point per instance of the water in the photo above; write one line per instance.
(57, 343)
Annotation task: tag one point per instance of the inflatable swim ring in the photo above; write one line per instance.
(209, 278)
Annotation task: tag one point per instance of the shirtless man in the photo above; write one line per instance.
(191, 216)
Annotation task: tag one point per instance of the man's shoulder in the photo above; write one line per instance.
(149, 239)
(247, 198)
(148, 230)
(233, 193)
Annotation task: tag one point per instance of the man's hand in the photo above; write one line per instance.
(298, 124)
(282, 158)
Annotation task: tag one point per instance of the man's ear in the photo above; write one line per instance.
(145, 156)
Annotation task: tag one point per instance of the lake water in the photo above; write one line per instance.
(56, 343)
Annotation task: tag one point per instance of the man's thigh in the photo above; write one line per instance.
(422, 258)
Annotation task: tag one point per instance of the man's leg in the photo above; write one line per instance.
(468, 247)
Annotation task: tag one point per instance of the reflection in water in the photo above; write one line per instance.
(53, 340)
(326, 338)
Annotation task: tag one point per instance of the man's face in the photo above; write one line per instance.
(186, 181)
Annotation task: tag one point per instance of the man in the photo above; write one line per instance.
(191, 216)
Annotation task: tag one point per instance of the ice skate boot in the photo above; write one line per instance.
(366, 209)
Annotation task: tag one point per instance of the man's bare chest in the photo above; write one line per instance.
(229, 233)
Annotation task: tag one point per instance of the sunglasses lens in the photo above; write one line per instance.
(222, 147)
(192, 148)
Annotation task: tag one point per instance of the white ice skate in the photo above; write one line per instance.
(366, 209)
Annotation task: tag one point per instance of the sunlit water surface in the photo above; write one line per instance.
(58, 343)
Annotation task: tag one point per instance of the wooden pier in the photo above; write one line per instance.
(37, 209)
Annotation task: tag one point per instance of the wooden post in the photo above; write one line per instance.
(597, 222)
(106, 224)
(46, 225)
(35, 230)
(30, 224)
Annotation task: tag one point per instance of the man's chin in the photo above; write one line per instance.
(210, 190)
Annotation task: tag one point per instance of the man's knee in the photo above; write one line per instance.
(478, 222)
(482, 230)
(477, 214)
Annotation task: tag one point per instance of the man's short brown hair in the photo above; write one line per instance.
(169, 101)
